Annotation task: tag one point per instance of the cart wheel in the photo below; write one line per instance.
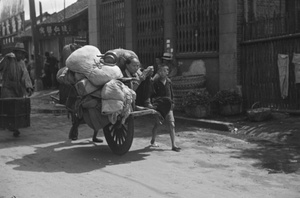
(119, 137)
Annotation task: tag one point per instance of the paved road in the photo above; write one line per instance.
(41, 163)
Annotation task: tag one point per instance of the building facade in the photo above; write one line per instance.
(191, 29)
(238, 40)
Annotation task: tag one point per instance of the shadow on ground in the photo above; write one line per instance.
(274, 157)
(75, 158)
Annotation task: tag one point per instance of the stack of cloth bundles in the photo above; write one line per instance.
(97, 81)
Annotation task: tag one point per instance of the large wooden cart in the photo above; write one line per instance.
(119, 136)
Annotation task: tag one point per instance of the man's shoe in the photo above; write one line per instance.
(176, 149)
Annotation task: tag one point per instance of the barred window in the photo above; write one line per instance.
(150, 30)
(112, 24)
(197, 26)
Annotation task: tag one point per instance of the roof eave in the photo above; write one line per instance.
(76, 15)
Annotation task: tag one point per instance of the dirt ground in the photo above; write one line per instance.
(42, 163)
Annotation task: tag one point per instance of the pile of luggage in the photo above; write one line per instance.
(95, 77)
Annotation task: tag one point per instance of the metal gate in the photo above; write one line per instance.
(263, 41)
(197, 26)
(112, 24)
(150, 30)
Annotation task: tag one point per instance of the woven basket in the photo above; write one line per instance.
(258, 114)
(189, 82)
(183, 92)
(183, 84)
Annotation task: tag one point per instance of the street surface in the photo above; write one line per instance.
(42, 163)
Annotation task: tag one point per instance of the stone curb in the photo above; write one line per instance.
(203, 123)
(210, 124)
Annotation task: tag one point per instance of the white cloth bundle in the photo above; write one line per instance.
(103, 74)
(113, 90)
(84, 59)
(118, 100)
(112, 106)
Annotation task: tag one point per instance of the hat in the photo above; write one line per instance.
(167, 56)
(19, 47)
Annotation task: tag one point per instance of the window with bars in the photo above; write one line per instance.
(112, 24)
(197, 26)
(150, 30)
(266, 8)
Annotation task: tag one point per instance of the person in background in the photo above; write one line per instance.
(53, 70)
(31, 69)
(46, 77)
(157, 64)
(16, 81)
(170, 62)
(163, 89)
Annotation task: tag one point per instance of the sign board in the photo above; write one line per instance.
(11, 17)
(54, 30)
(12, 25)
(10, 8)
(11, 20)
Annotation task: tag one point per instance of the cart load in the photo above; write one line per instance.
(103, 101)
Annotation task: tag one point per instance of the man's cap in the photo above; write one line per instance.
(167, 56)
(19, 47)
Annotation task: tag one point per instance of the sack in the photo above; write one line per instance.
(113, 90)
(84, 59)
(116, 90)
(117, 98)
(103, 74)
(112, 106)
(85, 87)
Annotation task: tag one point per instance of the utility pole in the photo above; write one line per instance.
(64, 10)
(38, 62)
(41, 12)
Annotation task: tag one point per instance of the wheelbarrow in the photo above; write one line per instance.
(119, 136)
